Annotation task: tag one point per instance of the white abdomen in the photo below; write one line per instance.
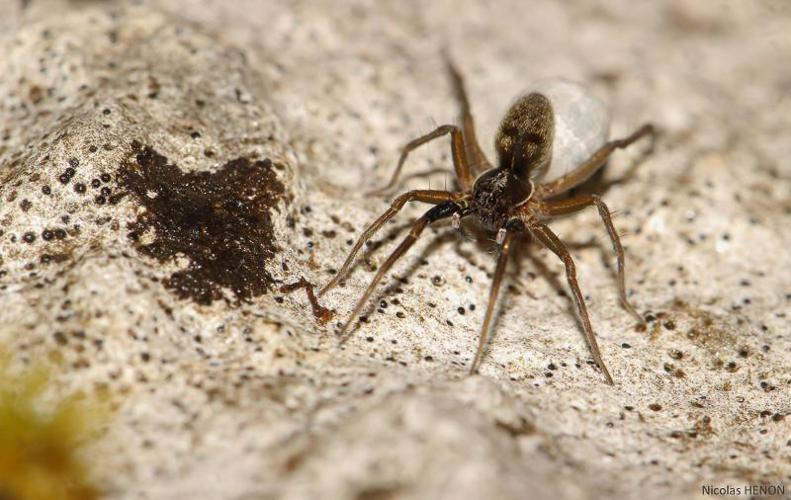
(582, 125)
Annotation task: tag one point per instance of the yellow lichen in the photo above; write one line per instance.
(40, 440)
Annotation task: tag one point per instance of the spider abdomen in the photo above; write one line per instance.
(550, 131)
(524, 140)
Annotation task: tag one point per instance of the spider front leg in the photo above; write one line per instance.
(499, 272)
(460, 164)
(436, 213)
(550, 240)
(424, 195)
(575, 204)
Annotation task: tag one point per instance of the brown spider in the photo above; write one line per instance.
(508, 199)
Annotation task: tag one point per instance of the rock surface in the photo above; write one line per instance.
(165, 167)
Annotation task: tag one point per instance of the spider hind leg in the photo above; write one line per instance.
(458, 151)
(595, 162)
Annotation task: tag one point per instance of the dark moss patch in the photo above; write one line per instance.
(221, 221)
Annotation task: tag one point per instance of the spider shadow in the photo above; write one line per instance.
(524, 250)
(392, 285)
(483, 241)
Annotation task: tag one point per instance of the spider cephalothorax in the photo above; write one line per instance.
(496, 193)
(560, 125)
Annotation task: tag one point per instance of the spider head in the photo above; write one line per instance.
(496, 193)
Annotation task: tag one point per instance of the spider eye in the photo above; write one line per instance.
(484, 179)
(515, 226)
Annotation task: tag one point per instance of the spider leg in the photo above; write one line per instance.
(575, 204)
(594, 163)
(549, 239)
(424, 195)
(499, 272)
(460, 165)
(477, 159)
(438, 212)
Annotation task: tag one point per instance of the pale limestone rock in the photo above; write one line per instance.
(256, 399)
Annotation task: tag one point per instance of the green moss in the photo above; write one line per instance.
(39, 441)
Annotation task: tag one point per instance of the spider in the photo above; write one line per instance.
(510, 200)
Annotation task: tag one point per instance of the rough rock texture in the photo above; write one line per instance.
(166, 166)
